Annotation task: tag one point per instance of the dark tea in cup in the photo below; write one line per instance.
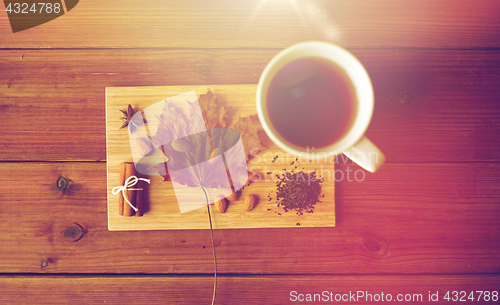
(316, 99)
(311, 102)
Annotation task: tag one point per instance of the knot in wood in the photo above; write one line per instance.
(45, 263)
(73, 232)
(372, 245)
(204, 71)
(63, 183)
(321, 13)
(405, 98)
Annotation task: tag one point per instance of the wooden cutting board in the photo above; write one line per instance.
(162, 211)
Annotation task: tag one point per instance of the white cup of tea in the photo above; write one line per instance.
(316, 98)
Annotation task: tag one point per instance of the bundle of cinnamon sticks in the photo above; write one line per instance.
(127, 169)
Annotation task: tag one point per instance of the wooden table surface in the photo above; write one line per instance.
(427, 222)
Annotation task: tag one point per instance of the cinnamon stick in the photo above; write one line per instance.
(139, 197)
(122, 178)
(129, 171)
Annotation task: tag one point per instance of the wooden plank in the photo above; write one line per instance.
(164, 211)
(430, 105)
(406, 218)
(246, 289)
(265, 24)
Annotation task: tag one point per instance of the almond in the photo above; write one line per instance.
(250, 202)
(181, 145)
(221, 205)
(143, 146)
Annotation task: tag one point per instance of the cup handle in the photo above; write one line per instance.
(366, 154)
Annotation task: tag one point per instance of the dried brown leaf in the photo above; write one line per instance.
(250, 128)
(214, 115)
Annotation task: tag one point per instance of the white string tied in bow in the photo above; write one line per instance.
(130, 182)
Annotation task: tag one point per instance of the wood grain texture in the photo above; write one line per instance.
(265, 24)
(163, 197)
(238, 290)
(439, 105)
(433, 208)
(406, 218)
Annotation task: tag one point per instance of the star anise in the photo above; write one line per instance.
(127, 116)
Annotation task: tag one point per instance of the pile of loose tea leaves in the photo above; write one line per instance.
(298, 191)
